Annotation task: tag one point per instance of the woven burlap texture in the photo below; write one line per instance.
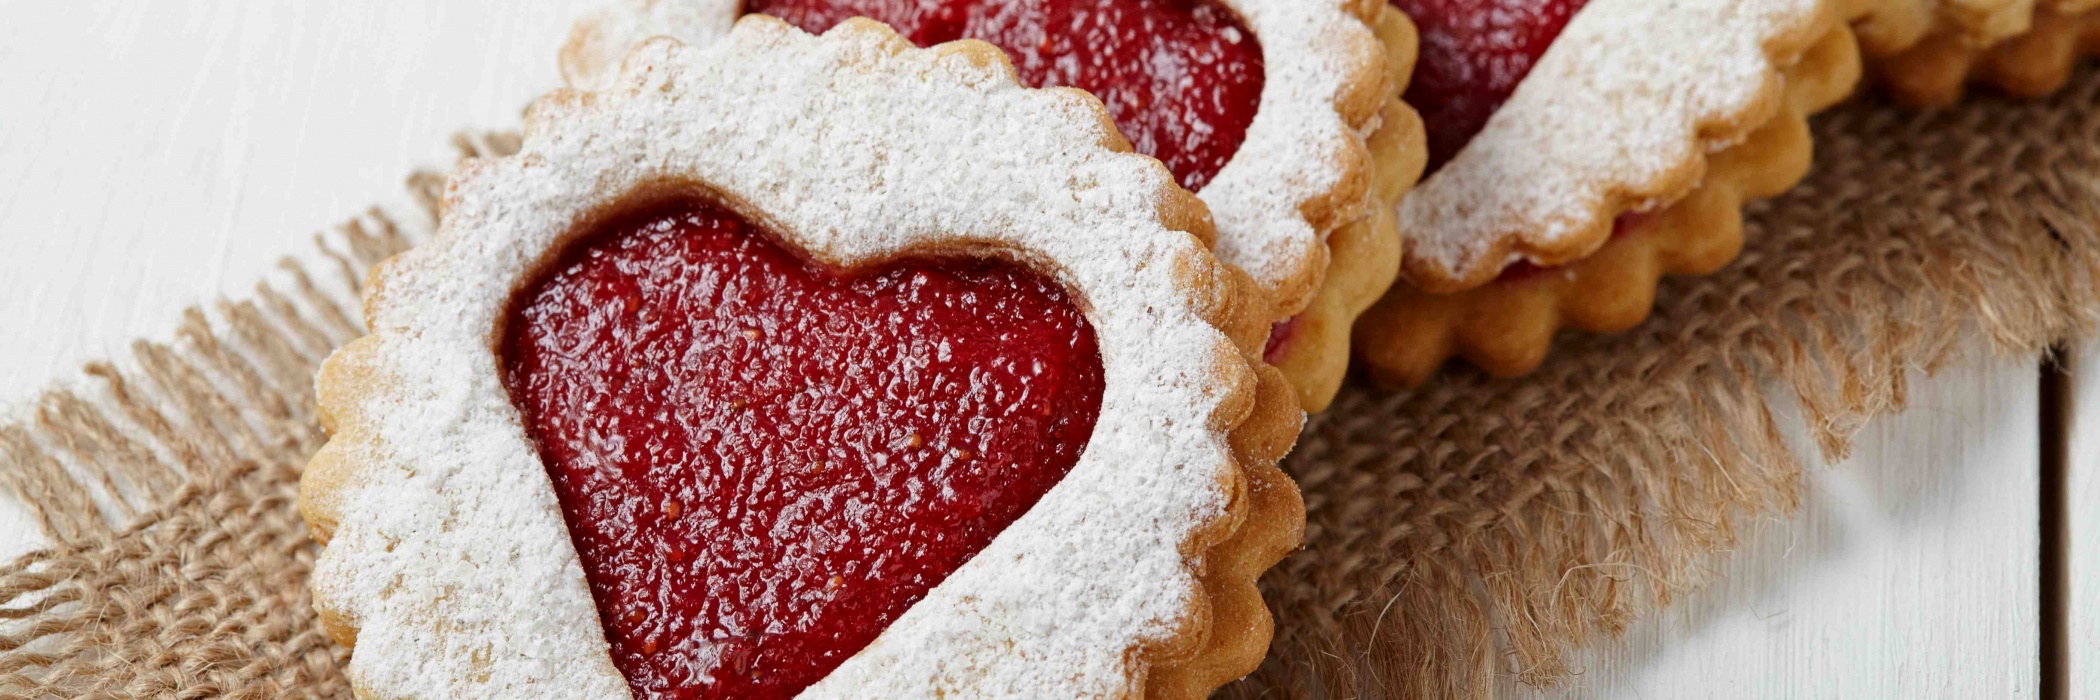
(1463, 529)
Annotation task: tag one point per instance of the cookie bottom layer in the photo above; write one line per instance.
(1236, 635)
(1937, 70)
(1506, 326)
(1364, 255)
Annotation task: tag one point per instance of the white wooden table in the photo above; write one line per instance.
(156, 154)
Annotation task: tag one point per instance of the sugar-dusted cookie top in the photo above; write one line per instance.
(449, 559)
(1617, 116)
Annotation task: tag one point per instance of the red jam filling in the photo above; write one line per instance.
(1182, 78)
(1279, 343)
(1473, 55)
(762, 461)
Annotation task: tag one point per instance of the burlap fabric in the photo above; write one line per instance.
(1467, 528)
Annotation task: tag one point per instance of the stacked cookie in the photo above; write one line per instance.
(1582, 150)
(1927, 52)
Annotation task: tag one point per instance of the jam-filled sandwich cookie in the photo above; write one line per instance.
(1266, 109)
(1572, 165)
(1926, 52)
(811, 367)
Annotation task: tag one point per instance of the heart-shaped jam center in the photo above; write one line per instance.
(1473, 55)
(1182, 78)
(762, 461)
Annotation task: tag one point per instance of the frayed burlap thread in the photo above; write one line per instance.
(168, 485)
(1474, 527)
(1464, 529)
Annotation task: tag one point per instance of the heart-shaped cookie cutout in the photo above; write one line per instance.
(764, 462)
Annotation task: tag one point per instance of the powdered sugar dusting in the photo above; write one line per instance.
(1294, 153)
(451, 556)
(1610, 119)
(590, 60)
(1295, 149)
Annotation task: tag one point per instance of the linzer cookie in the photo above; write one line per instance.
(1571, 167)
(1279, 114)
(806, 367)
(1927, 52)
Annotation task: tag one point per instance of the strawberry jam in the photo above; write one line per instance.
(1278, 346)
(762, 461)
(1182, 78)
(1473, 55)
